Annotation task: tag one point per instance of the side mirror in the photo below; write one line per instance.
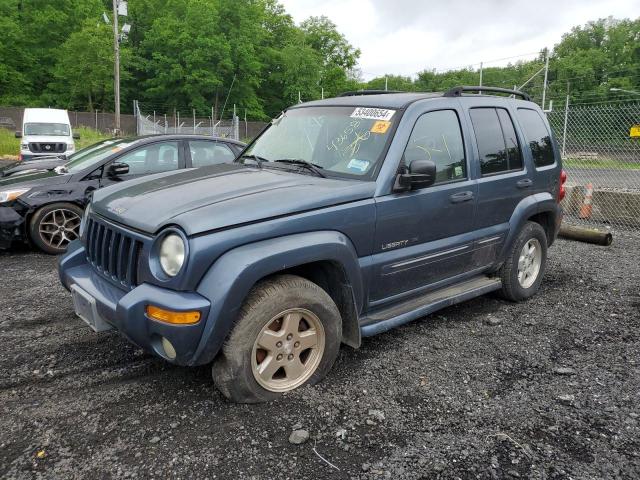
(419, 174)
(18, 135)
(117, 169)
(76, 136)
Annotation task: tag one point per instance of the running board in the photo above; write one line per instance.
(387, 318)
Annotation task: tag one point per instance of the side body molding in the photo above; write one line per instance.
(232, 276)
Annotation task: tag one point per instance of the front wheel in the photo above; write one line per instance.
(54, 226)
(287, 335)
(524, 266)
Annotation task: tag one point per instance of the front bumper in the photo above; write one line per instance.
(11, 227)
(125, 310)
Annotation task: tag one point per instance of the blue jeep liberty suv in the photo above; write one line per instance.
(344, 218)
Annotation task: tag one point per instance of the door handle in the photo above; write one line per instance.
(461, 197)
(525, 183)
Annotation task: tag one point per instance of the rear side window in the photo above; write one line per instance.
(511, 140)
(537, 136)
(436, 136)
(496, 139)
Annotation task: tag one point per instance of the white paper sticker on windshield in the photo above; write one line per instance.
(373, 113)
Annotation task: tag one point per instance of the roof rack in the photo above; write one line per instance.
(356, 93)
(457, 91)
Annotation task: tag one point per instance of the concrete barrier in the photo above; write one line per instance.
(609, 206)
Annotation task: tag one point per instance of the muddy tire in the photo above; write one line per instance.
(287, 335)
(524, 266)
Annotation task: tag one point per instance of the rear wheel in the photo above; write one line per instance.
(54, 226)
(524, 266)
(287, 335)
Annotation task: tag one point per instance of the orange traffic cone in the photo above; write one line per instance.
(586, 207)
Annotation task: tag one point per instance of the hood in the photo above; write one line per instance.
(46, 139)
(199, 200)
(39, 178)
(45, 164)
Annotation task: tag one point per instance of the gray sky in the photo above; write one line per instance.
(405, 36)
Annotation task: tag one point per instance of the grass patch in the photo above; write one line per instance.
(89, 136)
(600, 163)
(10, 145)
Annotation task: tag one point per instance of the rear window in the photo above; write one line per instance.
(537, 136)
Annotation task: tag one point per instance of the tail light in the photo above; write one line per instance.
(562, 192)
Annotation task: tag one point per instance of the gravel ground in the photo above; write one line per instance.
(549, 388)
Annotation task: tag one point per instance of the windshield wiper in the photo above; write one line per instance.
(256, 158)
(303, 163)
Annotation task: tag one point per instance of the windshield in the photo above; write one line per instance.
(346, 141)
(94, 154)
(53, 129)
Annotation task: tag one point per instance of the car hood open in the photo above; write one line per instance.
(221, 196)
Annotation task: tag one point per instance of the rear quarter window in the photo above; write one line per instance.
(537, 136)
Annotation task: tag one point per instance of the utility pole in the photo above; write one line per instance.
(481, 75)
(116, 67)
(386, 83)
(546, 73)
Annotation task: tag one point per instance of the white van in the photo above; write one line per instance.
(46, 132)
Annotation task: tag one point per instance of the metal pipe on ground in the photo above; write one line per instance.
(587, 235)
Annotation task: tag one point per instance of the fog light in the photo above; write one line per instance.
(169, 351)
(168, 316)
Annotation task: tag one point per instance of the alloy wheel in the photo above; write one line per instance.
(529, 263)
(59, 227)
(288, 350)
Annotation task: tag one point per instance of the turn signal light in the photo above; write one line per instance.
(168, 316)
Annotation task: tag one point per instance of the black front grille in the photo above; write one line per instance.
(37, 147)
(112, 252)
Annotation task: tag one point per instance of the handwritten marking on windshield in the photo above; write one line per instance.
(354, 146)
(346, 146)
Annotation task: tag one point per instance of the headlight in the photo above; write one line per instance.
(172, 253)
(8, 195)
(85, 218)
(24, 146)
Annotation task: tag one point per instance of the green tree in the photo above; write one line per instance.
(83, 73)
(15, 87)
(184, 55)
(392, 82)
(338, 56)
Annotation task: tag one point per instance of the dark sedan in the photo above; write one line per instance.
(45, 206)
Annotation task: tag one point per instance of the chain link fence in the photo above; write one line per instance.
(172, 124)
(152, 122)
(602, 161)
